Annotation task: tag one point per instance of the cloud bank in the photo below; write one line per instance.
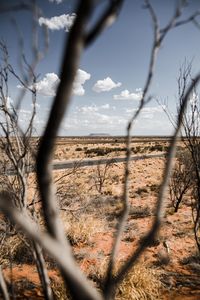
(57, 1)
(93, 108)
(126, 95)
(105, 85)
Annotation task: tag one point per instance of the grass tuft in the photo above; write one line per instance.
(141, 283)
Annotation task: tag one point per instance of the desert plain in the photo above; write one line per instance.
(90, 203)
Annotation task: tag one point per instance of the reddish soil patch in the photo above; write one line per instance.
(25, 281)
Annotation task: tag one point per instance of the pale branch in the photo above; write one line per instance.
(78, 285)
(169, 115)
(160, 206)
(159, 35)
(42, 271)
(76, 43)
(3, 286)
(54, 240)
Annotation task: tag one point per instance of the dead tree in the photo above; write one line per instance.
(181, 180)
(18, 152)
(101, 175)
(186, 174)
(53, 239)
(191, 133)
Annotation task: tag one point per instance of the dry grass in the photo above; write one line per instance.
(141, 283)
(59, 290)
(140, 212)
(81, 230)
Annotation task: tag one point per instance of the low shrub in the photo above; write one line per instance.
(140, 212)
(140, 283)
(78, 149)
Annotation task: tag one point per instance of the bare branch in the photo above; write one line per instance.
(107, 19)
(42, 271)
(54, 240)
(160, 206)
(159, 35)
(3, 286)
(71, 272)
(192, 18)
(169, 115)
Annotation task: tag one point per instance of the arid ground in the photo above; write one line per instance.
(90, 200)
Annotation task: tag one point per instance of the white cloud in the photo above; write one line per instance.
(148, 113)
(148, 110)
(148, 116)
(94, 121)
(99, 120)
(105, 106)
(126, 95)
(48, 85)
(25, 112)
(131, 110)
(80, 79)
(93, 108)
(24, 115)
(36, 105)
(57, 1)
(105, 85)
(58, 22)
(88, 109)
(154, 109)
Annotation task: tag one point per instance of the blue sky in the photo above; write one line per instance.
(112, 71)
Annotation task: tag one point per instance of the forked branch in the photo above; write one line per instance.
(159, 36)
(160, 205)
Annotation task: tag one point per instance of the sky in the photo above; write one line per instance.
(113, 70)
